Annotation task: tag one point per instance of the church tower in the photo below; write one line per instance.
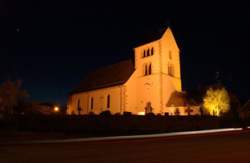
(158, 73)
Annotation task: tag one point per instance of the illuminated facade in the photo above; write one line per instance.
(139, 86)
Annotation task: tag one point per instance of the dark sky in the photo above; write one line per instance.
(51, 45)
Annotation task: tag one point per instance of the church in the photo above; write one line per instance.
(148, 83)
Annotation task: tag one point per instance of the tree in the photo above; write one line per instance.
(11, 95)
(216, 101)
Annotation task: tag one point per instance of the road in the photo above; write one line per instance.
(205, 148)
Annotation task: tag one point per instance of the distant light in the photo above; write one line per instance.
(141, 113)
(56, 109)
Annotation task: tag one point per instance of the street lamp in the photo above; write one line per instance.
(56, 109)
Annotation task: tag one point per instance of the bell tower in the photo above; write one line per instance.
(158, 74)
(148, 70)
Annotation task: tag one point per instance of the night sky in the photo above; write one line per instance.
(51, 45)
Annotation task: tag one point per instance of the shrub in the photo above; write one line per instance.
(91, 113)
(105, 113)
(117, 114)
(127, 113)
(150, 114)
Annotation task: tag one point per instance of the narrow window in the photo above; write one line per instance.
(145, 70)
(149, 69)
(108, 101)
(152, 51)
(92, 103)
(144, 53)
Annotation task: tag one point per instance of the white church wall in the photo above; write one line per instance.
(130, 95)
(148, 89)
(167, 89)
(99, 100)
(170, 55)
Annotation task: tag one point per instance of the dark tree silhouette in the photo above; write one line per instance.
(11, 95)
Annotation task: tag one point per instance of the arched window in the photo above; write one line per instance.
(152, 51)
(149, 69)
(108, 101)
(145, 69)
(92, 103)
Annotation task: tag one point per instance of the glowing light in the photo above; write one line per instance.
(56, 109)
(217, 101)
(141, 113)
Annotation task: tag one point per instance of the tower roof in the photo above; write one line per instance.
(157, 35)
(150, 36)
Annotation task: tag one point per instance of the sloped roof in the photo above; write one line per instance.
(150, 36)
(178, 99)
(115, 74)
(155, 35)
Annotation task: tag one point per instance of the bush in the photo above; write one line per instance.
(105, 113)
(150, 114)
(117, 114)
(91, 113)
(109, 124)
(127, 113)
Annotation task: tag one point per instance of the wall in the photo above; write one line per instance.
(168, 45)
(147, 87)
(167, 89)
(100, 101)
(130, 95)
